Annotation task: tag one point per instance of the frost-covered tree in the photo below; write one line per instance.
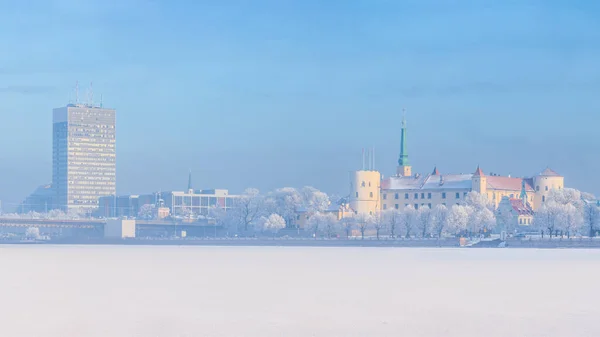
(248, 208)
(591, 218)
(273, 223)
(146, 212)
(364, 222)
(56, 214)
(379, 223)
(348, 224)
(391, 217)
(423, 222)
(285, 202)
(439, 219)
(548, 217)
(458, 218)
(481, 215)
(314, 200)
(566, 196)
(505, 220)
(32, 233)
(408, 220)
(327, 223)
(313, 223)
(571, 220)
(223, 218)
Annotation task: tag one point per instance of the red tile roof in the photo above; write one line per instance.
(517, 205)
(435, 172)
(548, 172)
(508, 183)
(478, 172)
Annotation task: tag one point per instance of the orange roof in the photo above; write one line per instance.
(517, 205)
(548, 172)
(478, 172)
(508, 183)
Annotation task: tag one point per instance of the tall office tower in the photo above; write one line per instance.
(83, 156)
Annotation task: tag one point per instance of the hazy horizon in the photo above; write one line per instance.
(270, 95)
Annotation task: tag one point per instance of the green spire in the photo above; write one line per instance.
(190, 180)
(523, 193)
(403, 160)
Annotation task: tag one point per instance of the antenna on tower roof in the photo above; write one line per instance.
(100, 100)
(91, 97)
(76, 92)
(373, 158)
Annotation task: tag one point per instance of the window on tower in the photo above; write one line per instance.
(384, 196)
(443, 195)
(396, 206)
(396, 196)
(422, 195)
(416, 196)
(457, 195)
(546, 188)
(428, 195)
(405, 195)
(357, 194)
(384, 206)
(363, 184)
(370, 194)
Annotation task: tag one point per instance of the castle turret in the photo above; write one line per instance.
(365, 191)
(404, 168)
(544, 182)
(479, 181)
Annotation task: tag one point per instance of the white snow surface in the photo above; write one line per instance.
(118, 291)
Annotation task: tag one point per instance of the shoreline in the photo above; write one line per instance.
(385, 243)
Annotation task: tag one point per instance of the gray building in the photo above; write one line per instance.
(83, 156)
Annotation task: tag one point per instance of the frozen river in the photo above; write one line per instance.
(75, 291)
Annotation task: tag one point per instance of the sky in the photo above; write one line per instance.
(275, 93)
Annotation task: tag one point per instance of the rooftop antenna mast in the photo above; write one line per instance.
(91, 95)
(76, 92)
(363, 158)
(373, 158)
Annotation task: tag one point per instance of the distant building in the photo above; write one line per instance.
(190, 203)
(515, 210)
(39, 201)
(83, 156)
(370, 193)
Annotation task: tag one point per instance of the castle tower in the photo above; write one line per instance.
(479, 181)
(365, 191)
(404, 168)
(544, 182)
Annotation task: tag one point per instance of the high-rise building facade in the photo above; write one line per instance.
(83, 156)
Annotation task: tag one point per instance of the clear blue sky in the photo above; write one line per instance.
(286, 93)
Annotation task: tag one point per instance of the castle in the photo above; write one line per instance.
(370, 193)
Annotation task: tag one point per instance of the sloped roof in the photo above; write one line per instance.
(429, 182)
(517, 205)
(403, 183)
(478, 172)
(548, 172)
(508, 183)
(449, 181)
(435, 172)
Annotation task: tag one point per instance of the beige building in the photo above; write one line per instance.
(370, 193)
(515, 211)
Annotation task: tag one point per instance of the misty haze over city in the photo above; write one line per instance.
(419, 168)
(267, 94)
